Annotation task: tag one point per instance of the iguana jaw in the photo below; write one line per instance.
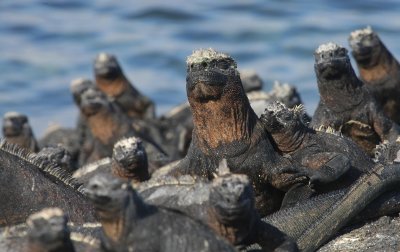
(129, 160)
(232, 197)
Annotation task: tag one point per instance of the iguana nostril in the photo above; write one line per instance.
(204, 64)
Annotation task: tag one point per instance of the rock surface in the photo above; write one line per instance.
(382, 234)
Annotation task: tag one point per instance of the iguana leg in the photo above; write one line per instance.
(325, 167)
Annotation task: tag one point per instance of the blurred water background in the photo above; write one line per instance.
(44, 44)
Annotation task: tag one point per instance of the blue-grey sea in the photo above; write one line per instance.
(44, 44)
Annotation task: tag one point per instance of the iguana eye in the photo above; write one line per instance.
(223, 65)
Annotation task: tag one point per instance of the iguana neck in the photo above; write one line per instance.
(113, 87)
(384, 67)
(103, 125)
(223, 122)
(290, 140)
(342, 94)
(236, 231)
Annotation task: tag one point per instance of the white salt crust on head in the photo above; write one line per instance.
(13, 114)
(104, 57)
(327, 47)
(209, 54)
(128, 143)
(46, 214)
(358, 34)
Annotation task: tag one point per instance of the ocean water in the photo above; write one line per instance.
(44, 44)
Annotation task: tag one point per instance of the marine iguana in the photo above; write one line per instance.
(226, 205)
(345, 104)
(108, 125)
(57, 155)
(48, 232)
(111, 80)
(16, 130)
(128, 161)
(129, 224)
(27, 186)
(378, 69)
(337, 160)
(85, 138)
(226, 127)
(75, 141)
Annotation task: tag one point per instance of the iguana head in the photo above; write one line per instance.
(210, 74)
(109, 195)
(48, 230)
(93, 101)
(366, 46)
(15, 124)
(106, 66)
(78, 86)
(279, 118)
(57, 155)
(231, 196)
(130, 159)
(232, 202)
(331, 61)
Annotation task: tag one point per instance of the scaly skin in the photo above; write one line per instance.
(378, 69)
(128, 161)
(338, 160)
(346, 105)
(314, 222)
(226, 127)
(28, 186)
(16, 130)
(111, 80)
(129, 224)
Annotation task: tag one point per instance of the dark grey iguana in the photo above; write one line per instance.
(128, 161)
(111, 80)
(85, 138)
(337, 160)
(346, 105)
(129, 224)
(226, 205)
(378, 69)
(226, 127)
(27, 186)
(108, 125)
(16, 130)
